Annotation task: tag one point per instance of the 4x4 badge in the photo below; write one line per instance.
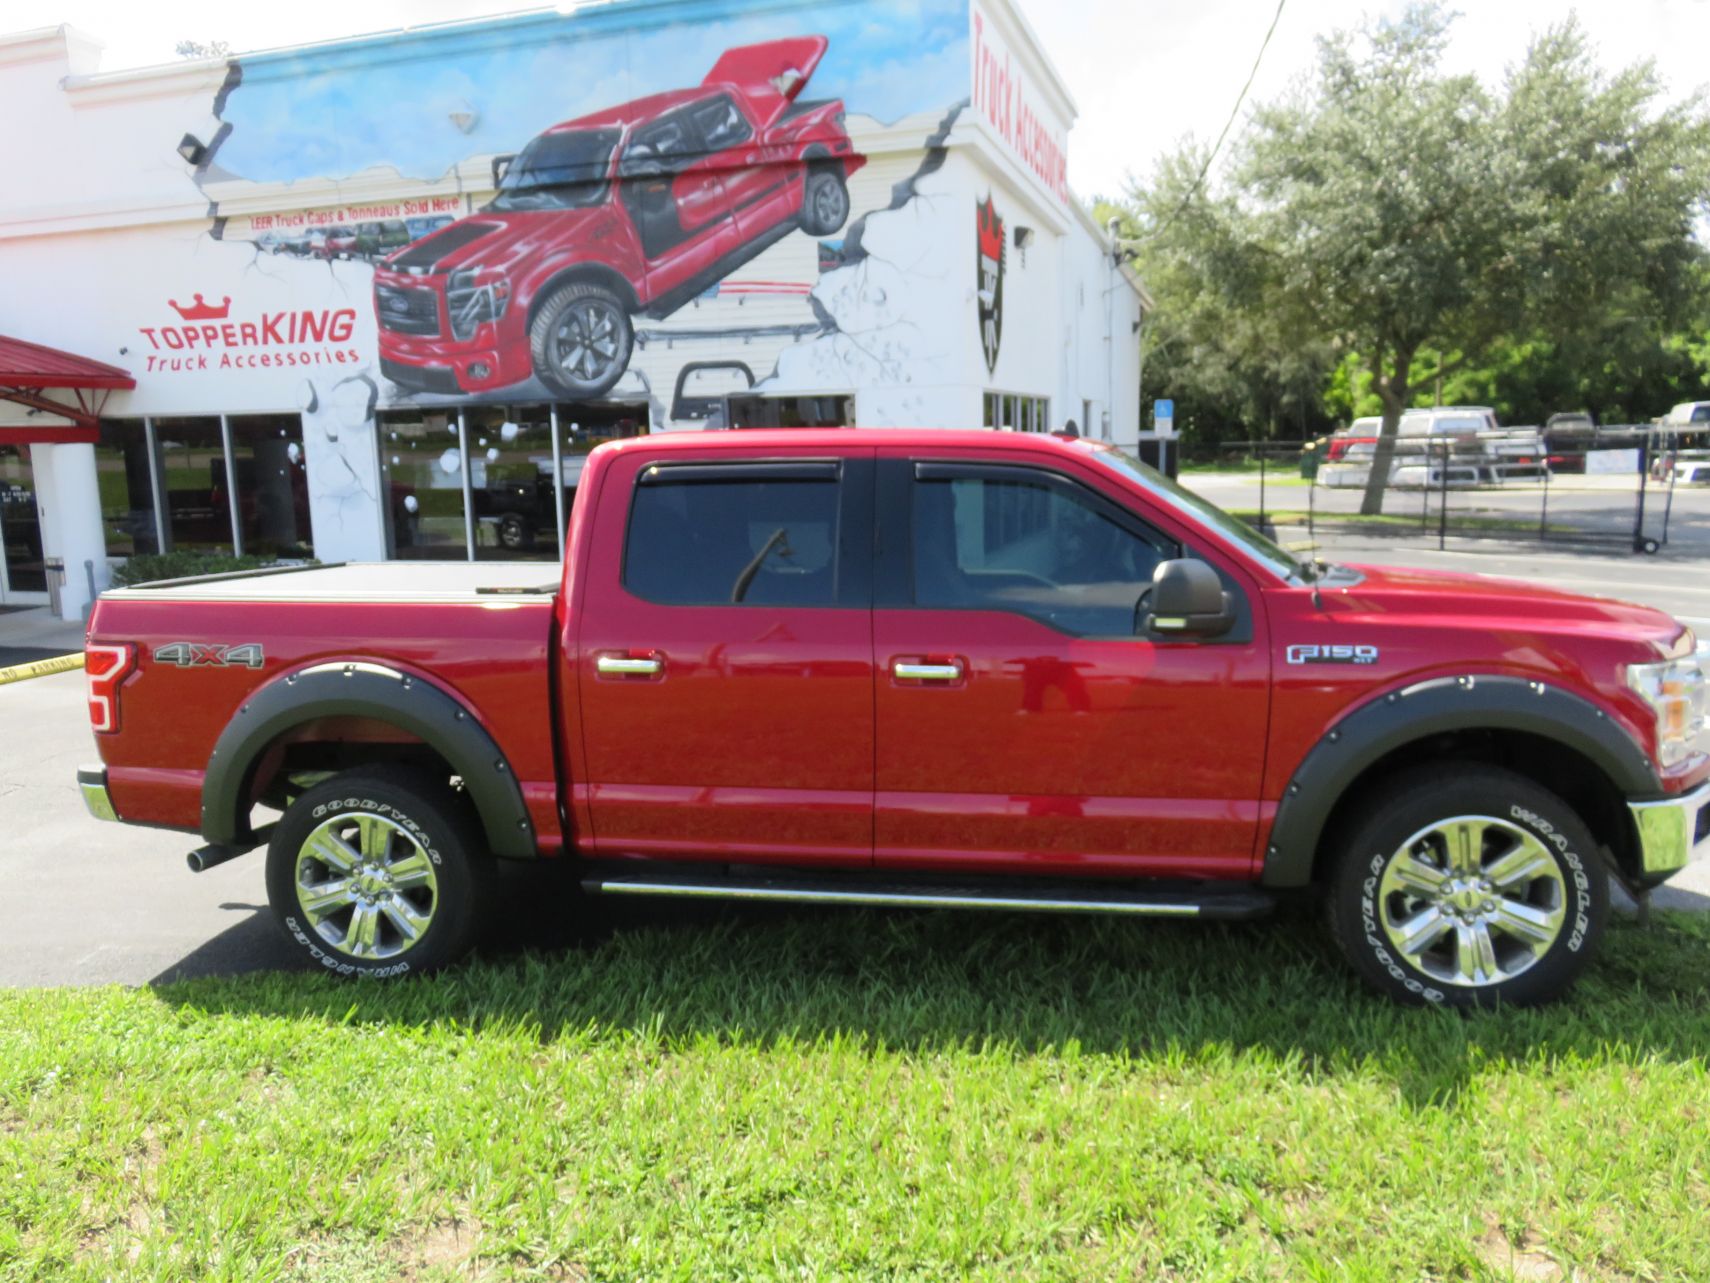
(1337, 654)
(203, 655)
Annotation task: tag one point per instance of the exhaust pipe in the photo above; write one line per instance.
(204, 858)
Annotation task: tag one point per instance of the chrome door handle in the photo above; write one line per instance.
(926, 672)
(628, 665)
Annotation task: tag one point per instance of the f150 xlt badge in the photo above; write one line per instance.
(201, 655)
(1338, 654)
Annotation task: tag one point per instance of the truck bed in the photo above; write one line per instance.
(374, 581)
(480, 631)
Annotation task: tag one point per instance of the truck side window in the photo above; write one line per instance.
(1032, 548)
(746, 541)
(721, 124)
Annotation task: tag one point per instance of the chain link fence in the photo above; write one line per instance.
(1637, 489)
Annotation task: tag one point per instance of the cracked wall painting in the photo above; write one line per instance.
(586, 208)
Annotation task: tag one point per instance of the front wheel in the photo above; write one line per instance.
(1468, 887)
(379, 872)
(580, 340)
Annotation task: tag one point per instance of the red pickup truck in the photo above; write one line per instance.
(915, 667)
(631, 210)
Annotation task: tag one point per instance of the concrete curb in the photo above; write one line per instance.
(41, 668)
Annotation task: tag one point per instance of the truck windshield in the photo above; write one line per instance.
(1190, 505)
(559, 171)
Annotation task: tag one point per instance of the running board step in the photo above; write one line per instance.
(1236, 903)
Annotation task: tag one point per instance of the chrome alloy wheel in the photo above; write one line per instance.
(366, 886)
(588, 340)
(1472, 900)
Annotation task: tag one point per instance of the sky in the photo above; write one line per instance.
(1145, 74)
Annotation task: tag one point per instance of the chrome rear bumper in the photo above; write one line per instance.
(92, 782)
(1673, 832)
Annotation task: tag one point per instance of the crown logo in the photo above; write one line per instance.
(202, 310)
(991, 231)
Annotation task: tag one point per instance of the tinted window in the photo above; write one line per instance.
(746, 541)
(558, 171)
(665, 147)
(721, 124)
(1032, 548)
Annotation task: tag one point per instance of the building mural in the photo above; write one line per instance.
(574, 207)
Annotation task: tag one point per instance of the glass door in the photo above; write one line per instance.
(23, 578)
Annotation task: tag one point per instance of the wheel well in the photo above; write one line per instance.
(1546, 762)
(593, 274)
(328, 745)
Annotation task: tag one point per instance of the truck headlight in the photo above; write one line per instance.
(1678, 691)
(473, 296)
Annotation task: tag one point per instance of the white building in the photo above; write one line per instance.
(375, 297)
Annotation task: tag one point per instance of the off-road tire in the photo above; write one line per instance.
(1372, 893)
(422, 815)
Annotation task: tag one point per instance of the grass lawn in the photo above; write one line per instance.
(768, 1095)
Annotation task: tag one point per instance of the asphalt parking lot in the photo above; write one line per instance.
(83, 902)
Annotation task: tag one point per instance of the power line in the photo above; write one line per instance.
(1227, 125)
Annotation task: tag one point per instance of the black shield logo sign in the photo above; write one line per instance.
(990, 246)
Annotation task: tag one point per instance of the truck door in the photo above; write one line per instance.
(754, 175)
(673, 191)
(724, 660)
(1022, 725)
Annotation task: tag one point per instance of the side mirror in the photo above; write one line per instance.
(501, 167)
(1187, 598)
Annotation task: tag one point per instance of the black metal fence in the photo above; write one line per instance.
(1642, 496)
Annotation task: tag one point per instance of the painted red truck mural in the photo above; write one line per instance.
(629, 211)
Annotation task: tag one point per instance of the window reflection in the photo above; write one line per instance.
(424, 473)
(126, 489)
(272, 484)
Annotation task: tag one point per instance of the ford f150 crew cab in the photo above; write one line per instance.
(917, 668)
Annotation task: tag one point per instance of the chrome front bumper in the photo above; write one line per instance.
(92, 782)
(1673, 832)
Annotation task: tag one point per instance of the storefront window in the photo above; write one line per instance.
(272, 484)
(510, 477)
(1017, 413)
(193, 474)
(424, 473)
(127, 488)
(508, 456)
(20, 532)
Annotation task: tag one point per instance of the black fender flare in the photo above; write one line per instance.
(354, 689)
(1393, 720)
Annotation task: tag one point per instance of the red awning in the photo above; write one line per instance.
(29, 371)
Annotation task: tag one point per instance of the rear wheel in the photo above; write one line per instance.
(379, 872)
(1469, 887)
(825, 202)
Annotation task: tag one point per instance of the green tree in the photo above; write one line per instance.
(1531, 246)
(1379, 189)
(1216, 342)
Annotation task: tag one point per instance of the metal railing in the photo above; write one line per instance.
(1507, 485)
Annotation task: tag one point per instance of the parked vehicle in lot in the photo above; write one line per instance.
(632, 210)
(376, 239)
(335, 242)
(918, 668)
